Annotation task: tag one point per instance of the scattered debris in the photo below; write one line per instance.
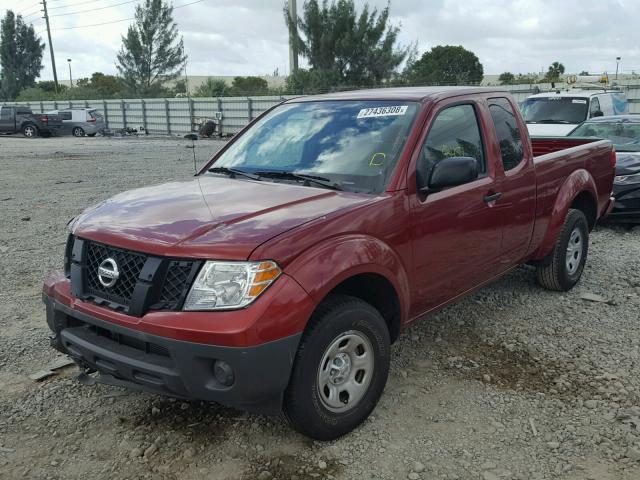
(52, 368)
(60, 362)
(41, 375)
(593, 297)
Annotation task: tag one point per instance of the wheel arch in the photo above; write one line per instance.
(360, 266)
(578, 191)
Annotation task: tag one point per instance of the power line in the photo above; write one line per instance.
(114, 21)
(84, 2)
(92, 9)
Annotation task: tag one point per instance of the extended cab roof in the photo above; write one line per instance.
(401, 93)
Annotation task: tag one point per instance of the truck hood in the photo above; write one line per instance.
(550, 129)
(207, 217)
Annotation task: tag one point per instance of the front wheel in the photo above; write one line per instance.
(563, 267)
(30, 131)
(77, 132)
(340, 369)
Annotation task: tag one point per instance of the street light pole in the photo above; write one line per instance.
(617, 65)
(70, 77)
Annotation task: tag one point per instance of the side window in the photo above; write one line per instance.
(509, 138)
(6, 113)
(594, 106)
(454, 133)
(65, 115)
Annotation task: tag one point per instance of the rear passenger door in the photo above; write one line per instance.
(517, 186)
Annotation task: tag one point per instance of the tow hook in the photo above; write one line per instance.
(85, 379)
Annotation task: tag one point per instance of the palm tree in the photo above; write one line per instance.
(555, 70)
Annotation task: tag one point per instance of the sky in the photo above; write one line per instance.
(249, 37)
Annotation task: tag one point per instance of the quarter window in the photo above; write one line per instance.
(454, 133)
(508, 132)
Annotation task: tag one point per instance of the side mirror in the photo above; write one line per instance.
(597, 113)
(452, 171)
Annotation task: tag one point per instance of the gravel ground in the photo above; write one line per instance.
(513, 382)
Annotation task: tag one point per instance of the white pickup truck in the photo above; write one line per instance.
(555, 114)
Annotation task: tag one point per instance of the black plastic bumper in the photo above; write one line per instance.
(150, 363)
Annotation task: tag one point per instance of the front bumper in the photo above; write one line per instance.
(182, 369)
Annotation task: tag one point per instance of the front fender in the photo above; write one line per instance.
(577, 182)
(324, 266)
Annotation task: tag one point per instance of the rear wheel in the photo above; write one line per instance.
(340, 369)
(30, 131)
(77, 132)
(563, 267)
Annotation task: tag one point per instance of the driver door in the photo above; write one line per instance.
(457, 231)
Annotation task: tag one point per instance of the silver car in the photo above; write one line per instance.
(81, 121)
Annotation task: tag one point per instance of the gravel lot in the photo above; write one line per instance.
(513, 382)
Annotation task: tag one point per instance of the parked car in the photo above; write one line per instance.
(81, 121)
(557, 113)
(624, 132)
(16, 119)
(280, 275)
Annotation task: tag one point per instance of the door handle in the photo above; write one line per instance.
(492, 197)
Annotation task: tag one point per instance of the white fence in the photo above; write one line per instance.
(175, 116)
(170, 116)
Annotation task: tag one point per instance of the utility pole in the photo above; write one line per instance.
(53, 58)
(293, 36)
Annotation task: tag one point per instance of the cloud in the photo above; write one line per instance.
(249, 37)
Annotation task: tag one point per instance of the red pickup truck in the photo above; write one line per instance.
(277, 279)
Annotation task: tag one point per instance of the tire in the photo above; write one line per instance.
(563, 267)
(329, 394)
(91, 134)
(77, 132)
(30, 131)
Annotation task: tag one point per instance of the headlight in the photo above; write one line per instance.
(634, 178)
(227, 285)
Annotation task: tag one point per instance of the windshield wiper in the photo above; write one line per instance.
(232, 172)
(551, 120)
(322, 181)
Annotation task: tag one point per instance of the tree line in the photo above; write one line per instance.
(344, 47)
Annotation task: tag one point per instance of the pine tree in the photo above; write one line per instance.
(152, 52)
(20, 56)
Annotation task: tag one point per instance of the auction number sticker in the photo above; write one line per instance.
(383, 111)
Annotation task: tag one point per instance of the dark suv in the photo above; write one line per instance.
(22, 119)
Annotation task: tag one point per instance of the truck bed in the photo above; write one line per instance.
(556, 161)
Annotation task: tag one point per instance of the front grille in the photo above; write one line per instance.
(165, 284)
(129, 265)
(175, 283)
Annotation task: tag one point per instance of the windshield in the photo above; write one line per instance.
(554, 110)
(625, 136)
(353, 145)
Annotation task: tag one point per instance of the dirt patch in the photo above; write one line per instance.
(510, 366)
(287, 467)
